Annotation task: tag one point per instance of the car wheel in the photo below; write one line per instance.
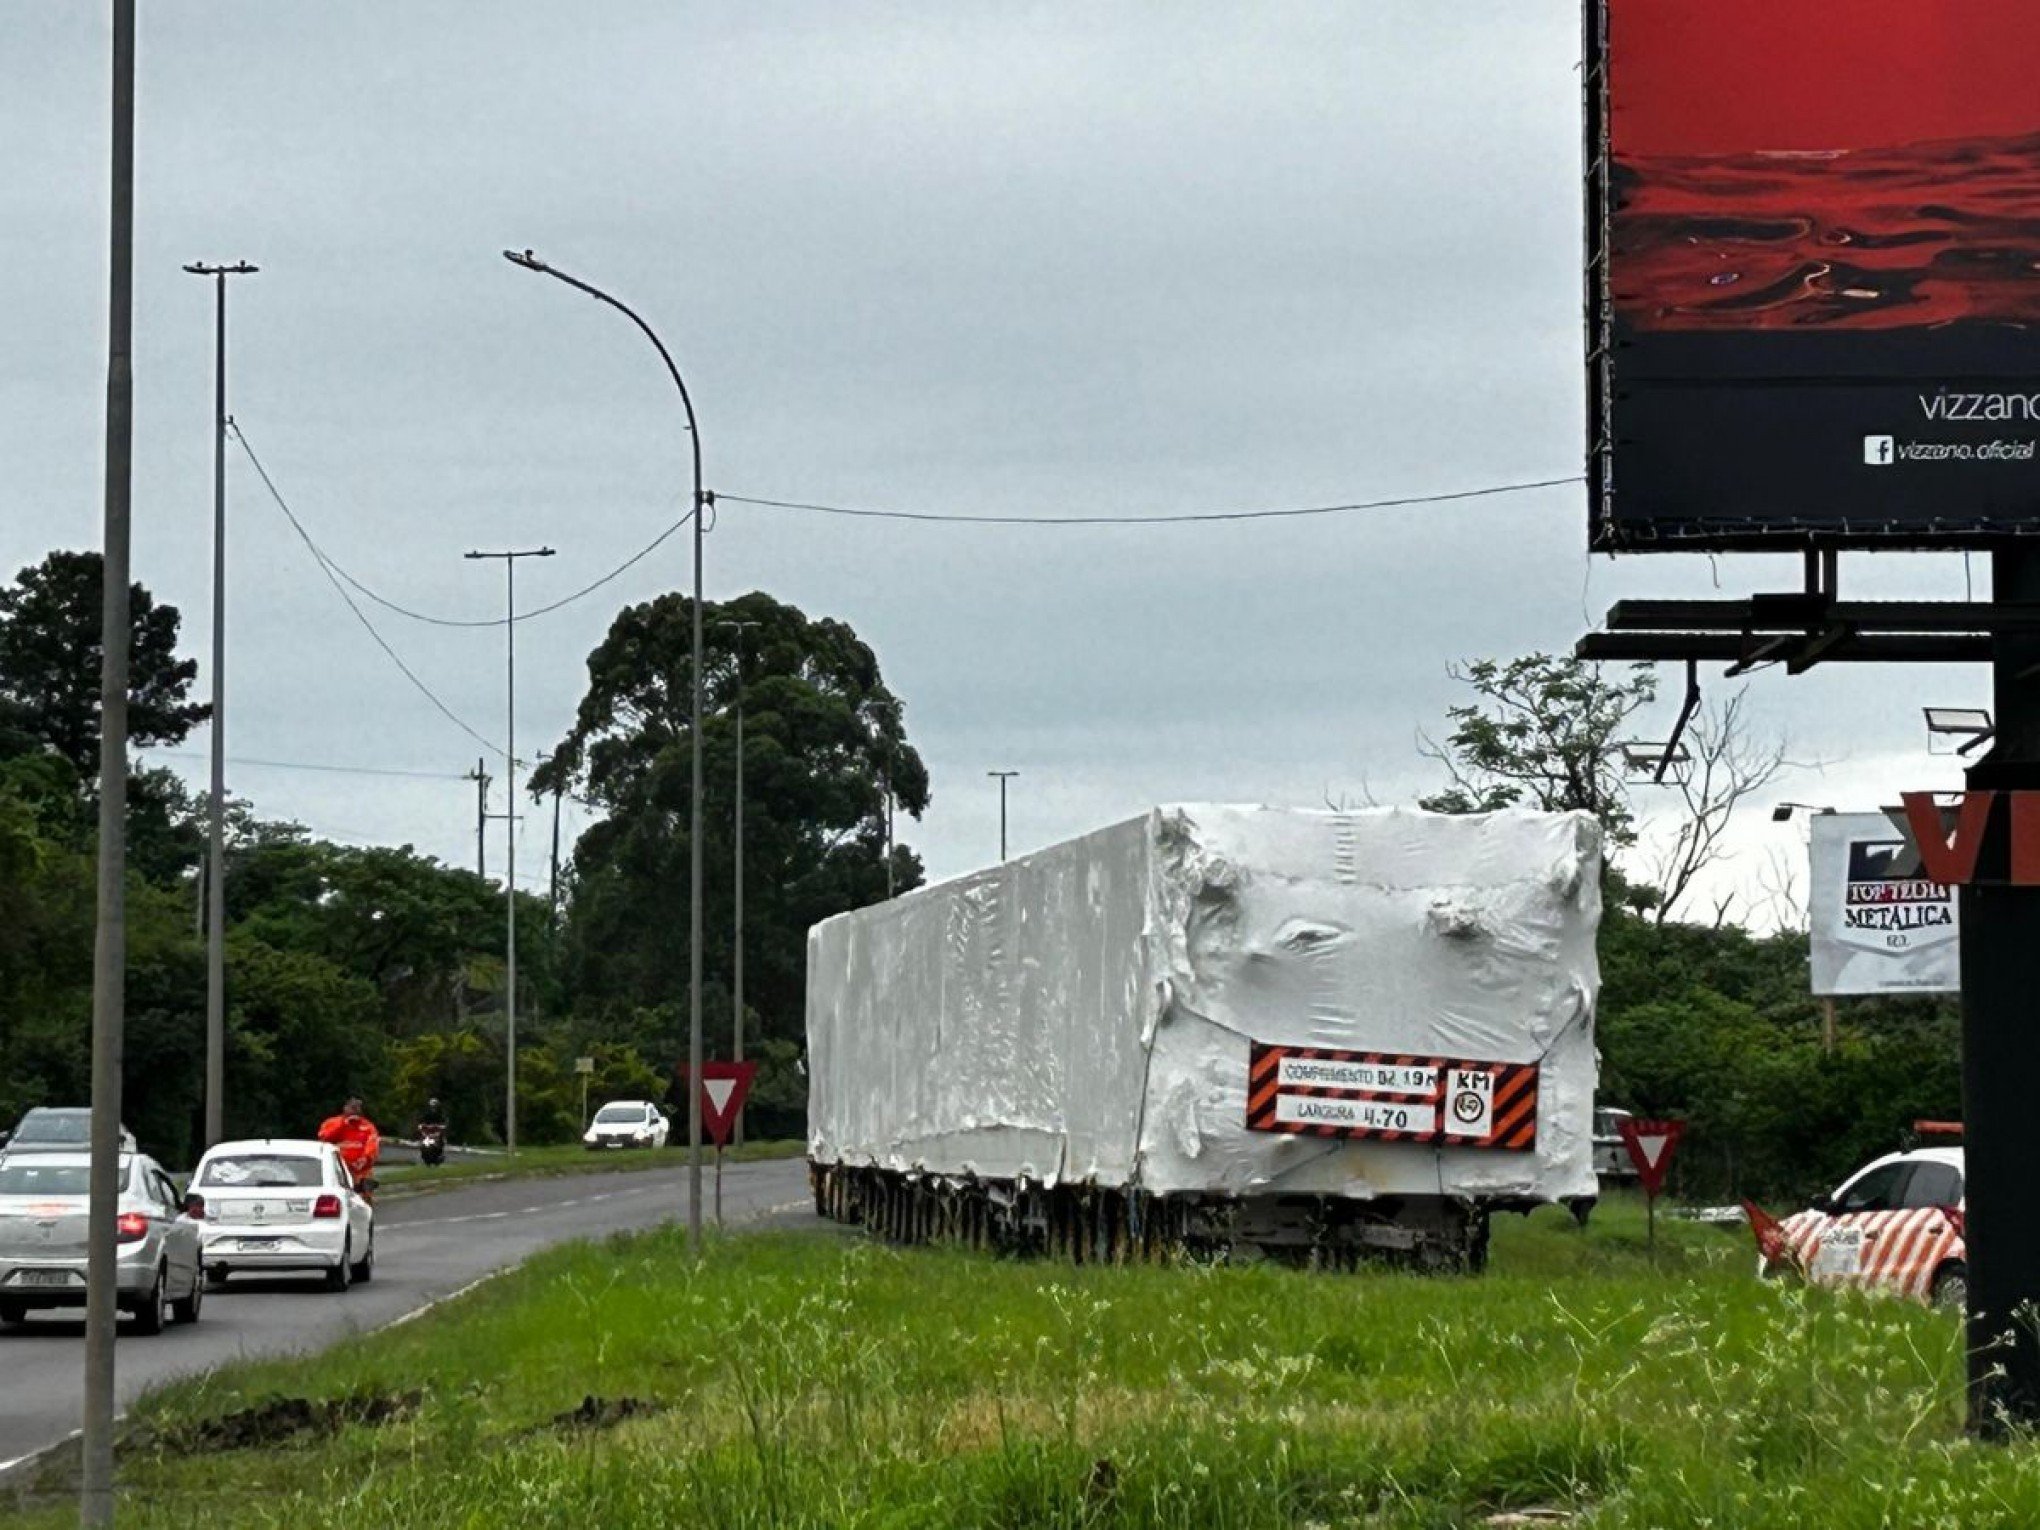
(12, 1313)
(216, 1276)
(365, 1270)
(1951, 1286)
(152, 1315)
(341, 1275)
(186, 1310)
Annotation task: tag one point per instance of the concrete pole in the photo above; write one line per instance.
(1003, 777)
(737, 1026)
(216, 851)
(509, 559)
(109, 957)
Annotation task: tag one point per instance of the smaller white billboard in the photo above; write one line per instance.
(1879, 926)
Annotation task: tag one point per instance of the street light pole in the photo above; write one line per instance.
(531, 262)
(1003, 776)
(216, 855)
(109, 952)
(509, 560)
(737, 1029)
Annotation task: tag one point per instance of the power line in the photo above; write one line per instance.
(424, 616)
(359, 615)
(342, 770)
(1156, 520)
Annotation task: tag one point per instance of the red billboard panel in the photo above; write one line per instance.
(1814, 274)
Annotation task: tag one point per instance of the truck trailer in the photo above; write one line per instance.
(1319, 1036)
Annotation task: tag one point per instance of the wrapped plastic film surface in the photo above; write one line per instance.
(1091, 1012)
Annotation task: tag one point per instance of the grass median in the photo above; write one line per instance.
(568, 1158)
(791, 1380)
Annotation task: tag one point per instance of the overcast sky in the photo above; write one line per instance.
(970, 258)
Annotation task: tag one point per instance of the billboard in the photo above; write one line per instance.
(1813, 273)
(1878, 926)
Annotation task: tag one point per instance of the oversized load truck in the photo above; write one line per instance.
(1320, 1035)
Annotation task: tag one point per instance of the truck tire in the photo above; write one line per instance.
(1951, 1286)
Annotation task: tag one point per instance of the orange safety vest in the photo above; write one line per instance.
(358, 1140)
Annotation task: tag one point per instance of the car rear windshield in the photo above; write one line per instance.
(615, 1113)
(55, 1126)
(258, 1171)
(24, 1176)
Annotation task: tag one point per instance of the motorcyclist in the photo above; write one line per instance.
(360, 1144)
(434, 1114)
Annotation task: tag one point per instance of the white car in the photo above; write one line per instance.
(628, 1123)
(1897, 1224)
(44, 1201)
(282, 1204)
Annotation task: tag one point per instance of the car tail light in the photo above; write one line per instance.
(326, 1207)
(132, 1225)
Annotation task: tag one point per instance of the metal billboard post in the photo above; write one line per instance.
(2001, 1057)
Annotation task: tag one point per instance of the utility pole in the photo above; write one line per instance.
(553, 880)
(509, 561)
(1003, 776)
(700, 503)
(888, 707)
(216, 857)
(480, 776)
(109, 946)
(737, 1029)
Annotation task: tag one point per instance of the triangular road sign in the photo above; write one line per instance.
(1651, 1145)
(724, 1086)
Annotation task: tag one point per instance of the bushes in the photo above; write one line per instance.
(1717, 1026)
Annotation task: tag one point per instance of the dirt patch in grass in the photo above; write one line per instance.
(284, 1419)
(604, 1412)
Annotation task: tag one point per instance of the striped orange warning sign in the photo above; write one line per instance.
(1392, 1097)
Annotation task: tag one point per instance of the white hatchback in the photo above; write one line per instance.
(282, 1204)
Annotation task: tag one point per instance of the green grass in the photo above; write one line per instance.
(569, 1158)
(792, 1380)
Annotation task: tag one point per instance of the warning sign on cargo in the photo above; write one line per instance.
(1319, 1092)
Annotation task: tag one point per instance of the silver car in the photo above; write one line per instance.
(43, 1202)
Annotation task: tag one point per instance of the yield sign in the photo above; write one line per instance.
(723, 1088)
(1651, 1145)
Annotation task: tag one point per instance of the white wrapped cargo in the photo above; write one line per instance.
(1231, 1002)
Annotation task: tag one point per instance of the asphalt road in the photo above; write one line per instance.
(426, 1246)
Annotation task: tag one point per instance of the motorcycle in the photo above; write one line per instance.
(431, 1143)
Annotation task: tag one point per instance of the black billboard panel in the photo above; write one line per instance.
(1814, 273)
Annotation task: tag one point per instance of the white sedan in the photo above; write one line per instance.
(282, 1204)
(628, 1123)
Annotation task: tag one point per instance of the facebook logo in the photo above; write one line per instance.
(1877, 451)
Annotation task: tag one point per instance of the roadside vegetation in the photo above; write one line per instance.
(794, 1380)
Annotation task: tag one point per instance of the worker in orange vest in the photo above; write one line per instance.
(357, 1139)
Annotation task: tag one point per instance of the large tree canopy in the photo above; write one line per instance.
(823, 738)
(50, 656)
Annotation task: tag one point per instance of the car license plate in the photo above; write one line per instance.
(44, 1278)
(1840, 1253)
(259, 1245)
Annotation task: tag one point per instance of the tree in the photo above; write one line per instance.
(823, 739)
(49, 664)
(1725, 766)
(1542, 734)
(1546, 732)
